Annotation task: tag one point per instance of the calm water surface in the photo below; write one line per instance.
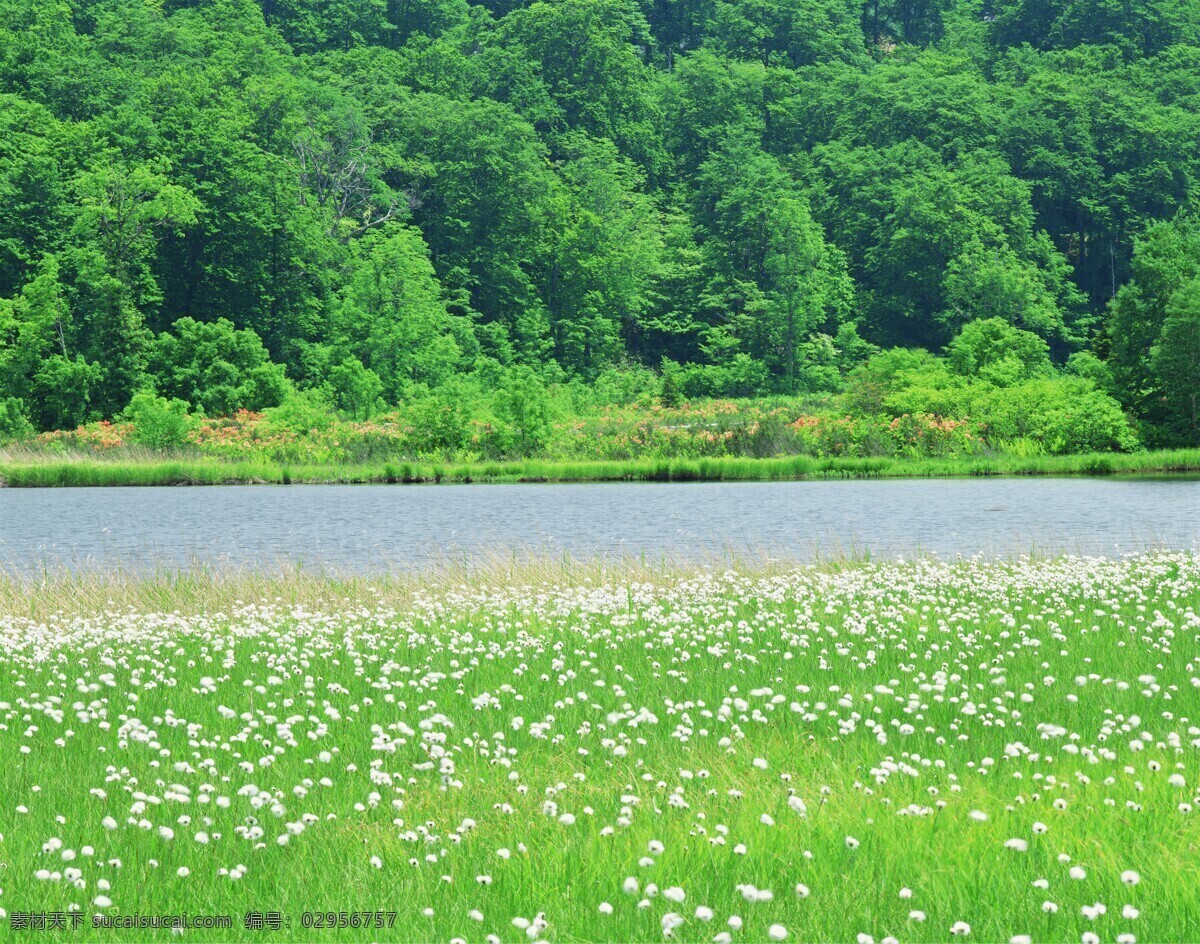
(377, 527)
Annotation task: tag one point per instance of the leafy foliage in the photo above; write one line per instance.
(370, 207)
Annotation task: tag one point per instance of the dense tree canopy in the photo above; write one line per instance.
(231, 202)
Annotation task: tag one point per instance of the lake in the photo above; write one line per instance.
(366, 527)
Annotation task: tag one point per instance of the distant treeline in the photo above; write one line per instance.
(367, 205)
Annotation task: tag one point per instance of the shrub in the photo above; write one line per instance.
(869, 384)
(670, 392)
(438, 423)
(14, 424)
(216, 367)
(1090, 422)
(522, 412)
(741, 376)
(354, 389)
(1064, 414)
(993, 350)
(158, 422)
(625, 385)
(304, 412)
(60, 394)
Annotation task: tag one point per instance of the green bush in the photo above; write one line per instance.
(993, 350)
(438, 423)
(621, 386)
(932, 390)
(14, 424)
(870, 384)
(302, 412)
(354, 389)
(1064, 414)
(216, 368)
(670, 392)
(60, 393)
(1091, 422)
(158, 422)
(522, 417)
(741, 376)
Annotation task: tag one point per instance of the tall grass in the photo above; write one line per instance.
(924, 750)
(32, 471)
(202, 587)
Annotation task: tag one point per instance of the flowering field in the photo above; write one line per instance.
(913, 750)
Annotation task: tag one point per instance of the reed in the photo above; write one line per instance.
(202, 587)
(31, 471)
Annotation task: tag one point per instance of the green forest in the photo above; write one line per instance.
(600, 228)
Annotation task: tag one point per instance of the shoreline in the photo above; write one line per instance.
(90, 472)
(113, 592)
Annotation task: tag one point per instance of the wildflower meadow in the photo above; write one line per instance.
(993, 751)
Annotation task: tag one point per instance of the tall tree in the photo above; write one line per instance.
(121, 213)
(1175, 364)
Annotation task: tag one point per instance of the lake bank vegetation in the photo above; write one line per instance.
(993, 404)
(87, 471)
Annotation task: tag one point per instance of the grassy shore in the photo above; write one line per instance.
(918, 751)
(200, 587)
(32, 471)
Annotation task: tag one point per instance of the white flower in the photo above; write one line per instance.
(777, 932)
(916, 916)
(960, 929)
(851, 842)
(801, 890)
(1130, 877)
(605, 909)
(674, 893)
(1077, 872)
(183, 871)
(1018, 845)
(102, 901)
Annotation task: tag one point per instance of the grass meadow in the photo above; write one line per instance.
(914, 750)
